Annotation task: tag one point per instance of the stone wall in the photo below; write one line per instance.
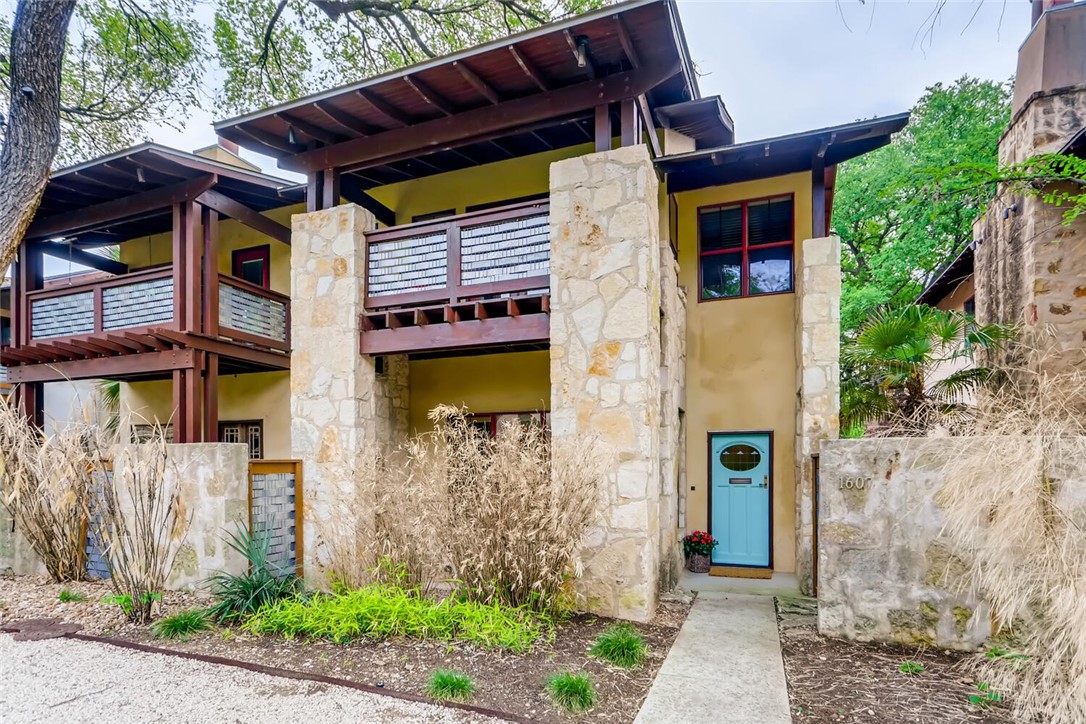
(339, 399)
(818, 372)
(606, 361)
(1030, 267)
(886, 572)
(672, 419)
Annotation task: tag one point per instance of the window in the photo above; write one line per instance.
(250, 432)
(253, 265)
(491, 423)
(970, 306)
(5, 330)
(433, 215)
(745, 248)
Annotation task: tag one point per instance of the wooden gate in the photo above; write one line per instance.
(275, 509)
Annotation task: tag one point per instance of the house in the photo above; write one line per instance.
(554, 226)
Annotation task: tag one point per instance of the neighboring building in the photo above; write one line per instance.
(1030, 266)
(554, 226)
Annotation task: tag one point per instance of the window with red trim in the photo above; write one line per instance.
(253, 265)
(745, 249)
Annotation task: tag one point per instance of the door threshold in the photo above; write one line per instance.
(741, 572)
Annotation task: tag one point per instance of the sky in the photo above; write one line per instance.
(787, 66)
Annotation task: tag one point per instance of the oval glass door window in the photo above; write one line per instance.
(740, 457)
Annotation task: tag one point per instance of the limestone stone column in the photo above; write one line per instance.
(818, 354)
(605, 361)
(340, 399)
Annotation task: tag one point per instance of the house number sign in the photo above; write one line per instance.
(855, 483)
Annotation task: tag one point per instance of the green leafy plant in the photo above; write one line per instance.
(620, 645)
(985, 696)
(699, 543)
(891, 369)
(911, 667)
(181, 625)
(263, 583)
(68, 596)
(996, 652)
(449, 685)
(572, 692)
(124, 601)
(382, 610)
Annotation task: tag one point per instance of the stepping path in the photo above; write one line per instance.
(61, 680)
(724, 667)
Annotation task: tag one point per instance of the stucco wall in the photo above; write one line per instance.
(509, 382)
(741, 363)
(886, 572)
(263, 396)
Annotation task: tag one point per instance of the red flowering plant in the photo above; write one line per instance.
(699, 543)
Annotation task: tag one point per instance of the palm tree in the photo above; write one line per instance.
(891, 370)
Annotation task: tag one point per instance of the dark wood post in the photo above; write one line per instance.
(211, 271)
(330, 188)
(193, 262)
(314, 191)
(28, 276)
(603, 128)
(179, 268)
(452, 272)
(818, 197)
(211, 398)
(628, 122)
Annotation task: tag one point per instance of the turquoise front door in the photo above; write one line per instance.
(739, 503)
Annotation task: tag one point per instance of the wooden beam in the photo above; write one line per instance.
(818, 197)
(209, 219)
(122, 208)
(314, 131)
(627, 43)
(346, 120)
(351, 189)
(476, 82)
(386, 109)
(329, 189)
(481, 333)
(529, 69)
(211, 398)
(429, 95)
(224, 349)
(61, 250)
(479, 123)
(104, 367)
(650, 126)
(603, 128)
(314, 190)
(627, 122)
(581, 54)
(270, 140)
(242, 213)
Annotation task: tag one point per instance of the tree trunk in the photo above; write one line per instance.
(33, 118)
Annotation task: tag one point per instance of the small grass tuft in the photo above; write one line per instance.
(620, 645)
(181, 625)
(70, 596)
(449, 685)
(911, 667)
(572, 692)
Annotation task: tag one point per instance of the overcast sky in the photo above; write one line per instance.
(792, 66)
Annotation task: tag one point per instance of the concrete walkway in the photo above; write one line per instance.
(725, 666)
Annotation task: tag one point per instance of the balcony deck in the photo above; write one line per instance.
(476, 280)
(126, 325)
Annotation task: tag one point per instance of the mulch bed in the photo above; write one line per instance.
(843, 681)
(504, 681)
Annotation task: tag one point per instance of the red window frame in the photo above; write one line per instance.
(744, 249)
(490, 419)
(253, 253)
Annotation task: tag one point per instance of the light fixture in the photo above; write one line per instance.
(290, 134)
(582, 51)
(139, 175)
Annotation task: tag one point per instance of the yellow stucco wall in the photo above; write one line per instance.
(257, 396)
(958, 296)
(508, 382)
(741, 363)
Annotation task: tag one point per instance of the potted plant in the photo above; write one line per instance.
(698, 546)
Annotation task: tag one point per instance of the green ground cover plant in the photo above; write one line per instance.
(381, 611)
(572, 692)
(263, 583)
(68, 596)
(449, 685)
(181, 625)
(620, 645)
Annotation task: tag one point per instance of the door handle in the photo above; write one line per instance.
(765, 481)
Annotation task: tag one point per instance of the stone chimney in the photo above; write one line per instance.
(226, 151)
(1054, 54)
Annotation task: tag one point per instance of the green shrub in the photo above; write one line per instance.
(572, 692)
(382, 610)
(620, 645)
(449, 685)
(68, 596)
(911, 667)
(264, 583)
(181, 625)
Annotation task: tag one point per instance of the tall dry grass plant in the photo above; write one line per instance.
(500, 519)
(44, 483)
(1015, 501)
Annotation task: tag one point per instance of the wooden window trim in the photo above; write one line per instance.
(246, 424)
(491, 418)
(252, 253)
(744, 249)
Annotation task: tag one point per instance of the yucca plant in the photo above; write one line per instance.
(241, 595)
(911, 366)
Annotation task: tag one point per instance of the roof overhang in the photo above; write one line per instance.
(778, 156)
(706, 120)
(523, 94)
(948, 280)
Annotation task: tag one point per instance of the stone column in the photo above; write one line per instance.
(338, 399)
(818, 352)
(605, 361)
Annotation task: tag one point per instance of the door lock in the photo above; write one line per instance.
(765, 482)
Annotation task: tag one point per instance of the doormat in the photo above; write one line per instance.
(740, 572)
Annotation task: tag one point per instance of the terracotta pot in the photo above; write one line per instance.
(696, 563)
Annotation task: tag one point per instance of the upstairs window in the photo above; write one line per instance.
(745, 249)
(253, 265)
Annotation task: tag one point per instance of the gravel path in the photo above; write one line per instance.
(77, 681)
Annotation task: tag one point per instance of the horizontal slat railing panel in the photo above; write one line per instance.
(64, 316)
(253, 311)
(510, 249)
(141, 304)
(413, 264)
